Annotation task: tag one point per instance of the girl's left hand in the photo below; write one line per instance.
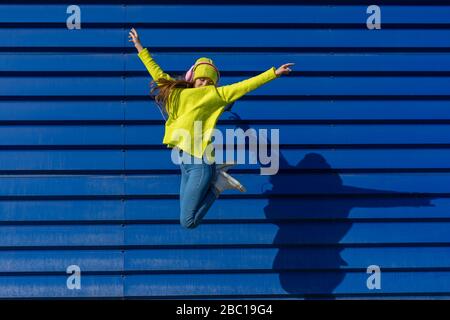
(284, 69)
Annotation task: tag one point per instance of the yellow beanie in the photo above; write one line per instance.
(206, 69)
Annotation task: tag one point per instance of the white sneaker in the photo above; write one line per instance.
(225, 181)
(224, 166)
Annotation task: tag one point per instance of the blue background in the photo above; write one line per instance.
(364, 176)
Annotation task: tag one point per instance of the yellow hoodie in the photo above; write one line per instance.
(204, 104)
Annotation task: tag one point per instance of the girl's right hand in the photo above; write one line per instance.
(134, 37)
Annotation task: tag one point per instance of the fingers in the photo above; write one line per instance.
(286, 67)
(133, 34)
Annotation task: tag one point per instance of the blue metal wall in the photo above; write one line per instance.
(365, 153)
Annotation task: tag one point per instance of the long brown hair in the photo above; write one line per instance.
(164, 88)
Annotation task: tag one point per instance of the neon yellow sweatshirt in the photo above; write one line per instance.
(204, 104)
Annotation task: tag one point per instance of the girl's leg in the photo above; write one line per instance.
(184, 178)
(197, 194)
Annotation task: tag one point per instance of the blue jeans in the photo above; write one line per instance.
(196, 193)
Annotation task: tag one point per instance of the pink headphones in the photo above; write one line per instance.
(190, 74)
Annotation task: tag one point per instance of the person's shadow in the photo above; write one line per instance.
(308, 259)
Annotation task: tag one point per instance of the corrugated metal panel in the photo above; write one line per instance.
(364, 153)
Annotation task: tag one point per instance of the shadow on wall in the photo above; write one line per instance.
(313, 271)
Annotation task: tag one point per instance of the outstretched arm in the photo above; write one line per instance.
(232, 92)
(152, 67)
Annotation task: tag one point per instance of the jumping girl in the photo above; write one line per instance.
(198, 98)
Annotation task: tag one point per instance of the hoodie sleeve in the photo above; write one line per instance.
(153, 68)
(232, 92)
